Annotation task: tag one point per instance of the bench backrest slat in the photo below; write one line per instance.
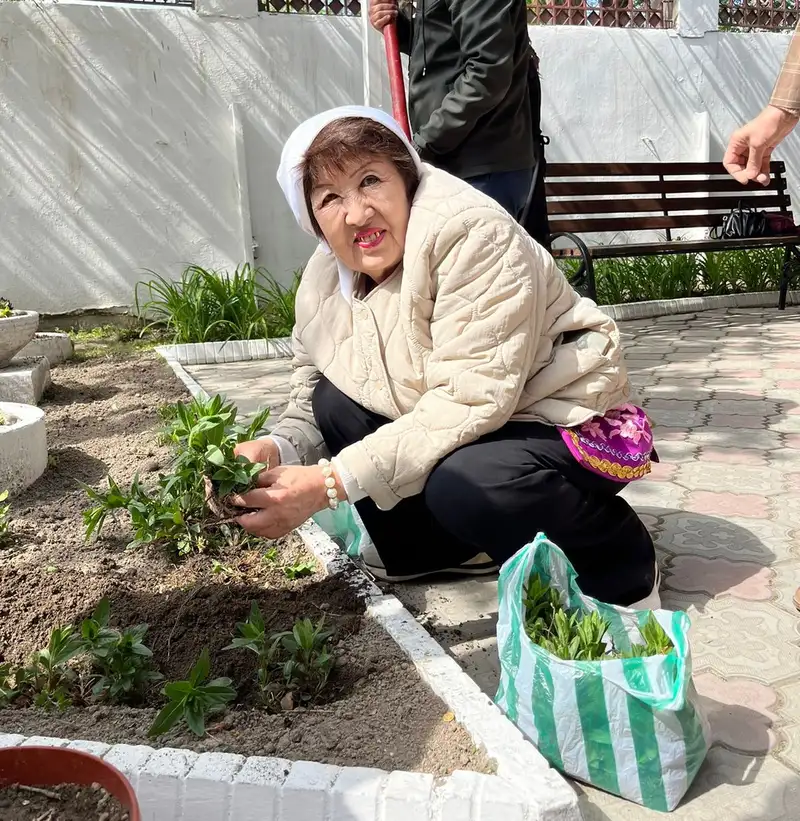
(585, 197)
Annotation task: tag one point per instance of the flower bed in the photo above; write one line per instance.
(374, 711)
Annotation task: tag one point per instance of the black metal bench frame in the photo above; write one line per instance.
(586, 198)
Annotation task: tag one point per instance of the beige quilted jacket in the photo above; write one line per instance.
(478, 327)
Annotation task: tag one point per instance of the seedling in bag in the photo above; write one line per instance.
(579, 636)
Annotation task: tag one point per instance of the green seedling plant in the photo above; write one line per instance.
(186, 511)
(6, 308)
(48, 676)
(310, 662)
(253, 636)
(296, 662)
(193, 700)
(120, 661)
(5, 519)
(299, 570)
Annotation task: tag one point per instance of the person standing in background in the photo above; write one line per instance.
(469, 98)
(750, 148)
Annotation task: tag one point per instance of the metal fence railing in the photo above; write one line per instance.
(337, 8)
(759, 15)
(648, 14)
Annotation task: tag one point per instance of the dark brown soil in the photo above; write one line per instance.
(102, 417)
(65, 802)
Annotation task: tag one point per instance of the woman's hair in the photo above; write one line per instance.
(351, 140)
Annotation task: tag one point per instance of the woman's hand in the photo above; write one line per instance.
(286, 497)
(260, 450)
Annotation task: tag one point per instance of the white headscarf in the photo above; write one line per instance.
(290, 177)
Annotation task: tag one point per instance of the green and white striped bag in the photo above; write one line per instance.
(633, 726)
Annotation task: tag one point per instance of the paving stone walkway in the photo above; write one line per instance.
(723, 389)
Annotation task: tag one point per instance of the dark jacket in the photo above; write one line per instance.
(469, 101)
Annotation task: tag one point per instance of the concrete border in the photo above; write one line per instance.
(691, 305)
(236, 350)
(180, 785)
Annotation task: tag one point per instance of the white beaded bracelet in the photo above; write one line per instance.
(330, 484)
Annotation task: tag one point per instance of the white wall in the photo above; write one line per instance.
(136, 138)
(118, 150)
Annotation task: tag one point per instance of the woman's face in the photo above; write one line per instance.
(363, 212)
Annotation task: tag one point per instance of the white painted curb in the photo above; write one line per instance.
(691, 305)
(179, 785)
(23, 446)
(237, 350)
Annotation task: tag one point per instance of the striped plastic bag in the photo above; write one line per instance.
(633, 726)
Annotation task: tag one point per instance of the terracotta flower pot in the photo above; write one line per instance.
(50, 766)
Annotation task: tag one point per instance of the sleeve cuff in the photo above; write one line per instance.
(355, 493)
(288, 452)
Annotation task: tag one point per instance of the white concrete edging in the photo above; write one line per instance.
(690, 305)
(23, 446)
(235, 350)
(177, 785)
(180, 785)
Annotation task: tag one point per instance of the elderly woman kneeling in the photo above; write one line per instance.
(467, 396)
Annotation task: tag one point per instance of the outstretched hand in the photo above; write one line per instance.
(750, 148)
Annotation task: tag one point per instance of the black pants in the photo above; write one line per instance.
(493, 496)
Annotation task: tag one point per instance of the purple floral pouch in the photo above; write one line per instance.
(618, 445)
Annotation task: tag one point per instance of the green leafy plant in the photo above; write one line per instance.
(5, 519)
(193, 700)
(121, 663)
(299, 570)
(10, 687)
(684, 275)
(211, 306)
(310, 662)
(296, 661)
(48, 675)
(578, 636)
(6, 308)
(253, 636)
(186, 511)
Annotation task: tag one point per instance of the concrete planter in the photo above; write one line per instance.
(54, 347)
(16, 331)
(23, 446)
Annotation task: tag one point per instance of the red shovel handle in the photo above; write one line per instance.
(396, 83)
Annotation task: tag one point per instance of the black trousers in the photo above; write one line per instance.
(493, 497)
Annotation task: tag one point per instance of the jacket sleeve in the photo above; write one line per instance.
(405, 27)
(486, 36)
(488, 315)
(297, 424)
(786, 94)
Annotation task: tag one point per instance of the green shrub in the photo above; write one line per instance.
(209, 306)
(673, 276)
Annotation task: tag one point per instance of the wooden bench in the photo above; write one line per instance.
(587, 198)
